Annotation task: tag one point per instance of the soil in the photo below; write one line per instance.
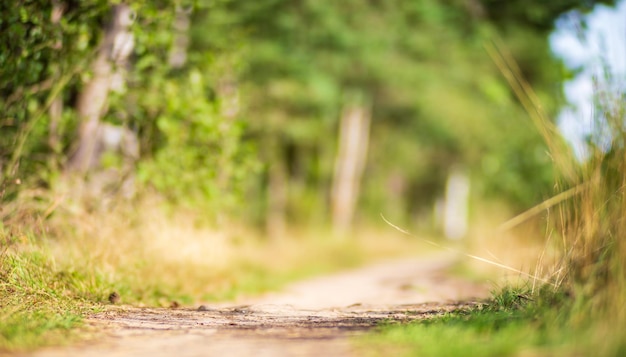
(316, 317)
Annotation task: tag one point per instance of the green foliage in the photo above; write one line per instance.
(432, 89)
(39, 58)
(434, 95)
(201, 161)
(34, 47)
(46, 55)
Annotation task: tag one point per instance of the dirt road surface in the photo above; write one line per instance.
(315, 317)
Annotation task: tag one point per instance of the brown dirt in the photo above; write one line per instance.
(315, 317)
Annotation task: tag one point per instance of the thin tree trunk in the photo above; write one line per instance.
(56, 107)
(116, 46)
(55, 112)
(228, 94)
(278, 193)
(178, 53)
(349, 165)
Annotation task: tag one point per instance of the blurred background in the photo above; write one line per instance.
(172, 153)
(278, 119)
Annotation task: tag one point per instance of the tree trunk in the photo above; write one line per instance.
(278, 194)
(349, 165)
(56, 107)
(91, 104)
(55, 112)
(228, 94)
(178, 53)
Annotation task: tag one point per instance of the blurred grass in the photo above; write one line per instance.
(55, 271)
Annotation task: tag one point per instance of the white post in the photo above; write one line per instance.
(455, 215)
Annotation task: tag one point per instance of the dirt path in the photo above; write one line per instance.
(312, 318)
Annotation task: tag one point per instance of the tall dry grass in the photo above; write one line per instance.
(587, 222)
(593, 223)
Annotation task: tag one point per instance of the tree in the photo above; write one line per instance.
(58, 69)
(112, 56)
(208, 84)
(434, 93)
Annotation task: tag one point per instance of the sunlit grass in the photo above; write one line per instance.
(39, 303)
(56, 271)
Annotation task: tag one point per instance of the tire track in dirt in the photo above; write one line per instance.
(315, 317)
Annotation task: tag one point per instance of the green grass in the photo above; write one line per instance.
(38, 303)
(514, 323)
(50, 281)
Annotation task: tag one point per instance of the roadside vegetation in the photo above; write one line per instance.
(174, 152)
(49, 284)
(575, 303)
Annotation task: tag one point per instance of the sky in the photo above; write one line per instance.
(604, 40)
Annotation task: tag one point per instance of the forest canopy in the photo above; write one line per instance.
(245, 108)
